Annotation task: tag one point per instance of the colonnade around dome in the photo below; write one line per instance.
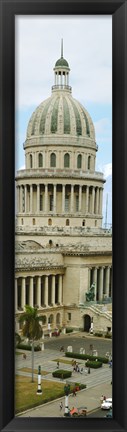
(59, 199)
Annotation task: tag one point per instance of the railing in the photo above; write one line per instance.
(61, 87)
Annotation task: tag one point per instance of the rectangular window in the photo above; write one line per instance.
(23, 200)
(69, 316)
(77, 203)
(66, 203)
(41, 202)
(51, 202)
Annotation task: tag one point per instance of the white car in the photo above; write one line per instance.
(107, 404)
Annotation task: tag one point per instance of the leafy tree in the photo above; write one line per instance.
(32, 328)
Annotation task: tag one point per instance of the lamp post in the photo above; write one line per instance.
(66, 390)
(39, 389)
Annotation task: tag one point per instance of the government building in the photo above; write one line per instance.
(63, 256)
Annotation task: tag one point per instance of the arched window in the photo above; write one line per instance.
(49, 221)
(22, 221)
(66, 160)
(53, 160)
(83, 222)
(51, 319)
(79, 161)
(95, 223)
(34, 221)
(89, 159)
(31, 161)
(67, 222)
(44, 319)
(58, 318)
(40, 160)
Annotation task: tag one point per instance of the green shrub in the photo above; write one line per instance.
(61, 373)
(69, 330)
(28, 347)
(98, 334)
(86, 356)
(93, 364)
(108, 335)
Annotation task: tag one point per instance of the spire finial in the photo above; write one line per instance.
(61, 48)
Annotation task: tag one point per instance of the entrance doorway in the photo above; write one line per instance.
(87, 323)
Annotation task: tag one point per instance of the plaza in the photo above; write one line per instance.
(98, 382)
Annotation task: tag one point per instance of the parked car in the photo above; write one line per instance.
(107, 404)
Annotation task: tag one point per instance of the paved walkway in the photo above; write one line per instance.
(89, 398)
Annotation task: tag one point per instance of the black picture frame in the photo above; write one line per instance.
(8, 10)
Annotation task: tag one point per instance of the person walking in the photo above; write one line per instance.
(61, 405)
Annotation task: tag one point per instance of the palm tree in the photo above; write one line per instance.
(32, 328)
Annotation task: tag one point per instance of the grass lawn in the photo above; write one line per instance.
(25, 393)
(19, 353)
(25, 369)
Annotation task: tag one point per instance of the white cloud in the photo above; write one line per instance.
(102, 125)
(106, 169)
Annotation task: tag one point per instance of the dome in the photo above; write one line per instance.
(60, 114)
(61, 63)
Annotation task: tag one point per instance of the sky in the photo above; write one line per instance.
(87, 46)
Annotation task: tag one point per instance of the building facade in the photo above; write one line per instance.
(61, 248)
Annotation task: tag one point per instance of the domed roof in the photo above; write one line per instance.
(60, 114)
(61, 62)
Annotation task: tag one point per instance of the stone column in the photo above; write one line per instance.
(46, 198)
(16, 295)
(31, 198)
(87, 198)
(60, 289)
(89, 277)
(80, 198)
(25, 198)
(101, 274)
(46, 291)
(23, 293)
(100, 201)
(93, 199)
(54, 196)
(63, 198)
(38, 198)
(21, 206)
(95, 281)
(17, 199)
(39, 291)
(97, 200)
(31, 291)
(72, 198)
(107, 274)
(53, 290)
